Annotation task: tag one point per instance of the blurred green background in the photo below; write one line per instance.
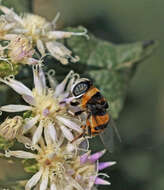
(141, 125)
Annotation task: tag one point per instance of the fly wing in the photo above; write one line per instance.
(108, 136)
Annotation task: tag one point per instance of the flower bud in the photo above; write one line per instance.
(11, 127)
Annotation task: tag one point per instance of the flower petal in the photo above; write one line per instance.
(11, 13)
(74, 183)
(32, 61)
(30, 123)
(67, 133)
(103, 165)
(84, 158)
(99, 181)
(94, 157)
(60, 52)
(39, 79)
(20, 154)
(19, 87)
(69, 123)
(44, 181)
(37, 134)
(40, 47)
(53, 186)
(47, 136)
(60, 87)
(61, 34)
(29, 99)
(42, 77)
(24, 140)
(58, 35)
(34, 180)
(15, 108)
(52, 132)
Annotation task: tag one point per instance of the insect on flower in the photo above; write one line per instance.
(95, 105)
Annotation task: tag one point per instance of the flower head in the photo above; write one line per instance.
(11, 128)
(61, 166)
(50, 109)
(42, 33)
(18, 50)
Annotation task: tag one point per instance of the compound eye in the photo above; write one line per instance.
(80, 88)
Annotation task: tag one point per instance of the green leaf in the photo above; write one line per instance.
(5, 144)
(8, 69)
(30, 166)
(110, 66)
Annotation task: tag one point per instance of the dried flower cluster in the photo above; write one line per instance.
(48, 126)
(29, 32)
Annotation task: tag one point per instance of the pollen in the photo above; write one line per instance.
(53, 160)
(47, 105)
(34, 25)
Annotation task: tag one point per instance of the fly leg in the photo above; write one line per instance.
(84, 127)
(80, 135)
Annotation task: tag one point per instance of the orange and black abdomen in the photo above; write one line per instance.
(97, 124)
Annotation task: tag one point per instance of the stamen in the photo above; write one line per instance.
(103, 174)
(84, 33)
(55, 19)
(51, 72)
(7, 154)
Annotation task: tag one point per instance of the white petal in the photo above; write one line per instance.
(37, 134)
(5, 9)
(56, 48)
(51, 79)
(19, 87)
(39, 79)
(61, 34)
(30, 123)
(60, 87)
(32, 61)
(10, 36)
(44, 182)
(74, 183)
(69, 123)
(8, 26)
(52, 132)
(24, 140)
(40, 47)
(67, 133)
(21, 154)
(53, 187)
(42, 78)
(47, 136)
(29, 99)
(15, 108)
(34, 180)
(58, 35)
(19, 30)
(10, 13)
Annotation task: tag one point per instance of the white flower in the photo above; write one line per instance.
(42, 33)
(60, 167)
(18, 50)
(49, 107)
